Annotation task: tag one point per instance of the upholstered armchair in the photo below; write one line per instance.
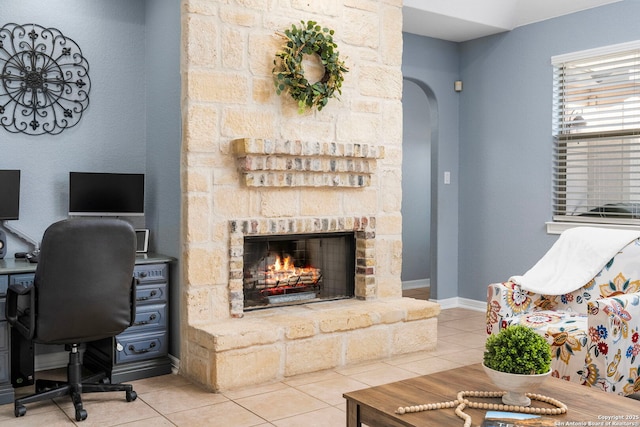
(593, 330)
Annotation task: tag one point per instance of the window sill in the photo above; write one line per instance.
(559, 227)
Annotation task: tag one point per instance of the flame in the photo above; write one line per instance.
(278, 265)
(284, 269)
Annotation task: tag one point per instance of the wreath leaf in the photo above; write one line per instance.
(288, 72)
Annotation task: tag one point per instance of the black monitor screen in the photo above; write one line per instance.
(9, 194)
(106, 194)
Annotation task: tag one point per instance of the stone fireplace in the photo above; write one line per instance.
(255, 170)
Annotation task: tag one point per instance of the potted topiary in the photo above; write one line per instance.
(517, 360)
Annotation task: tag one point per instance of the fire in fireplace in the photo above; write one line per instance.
(296, 269)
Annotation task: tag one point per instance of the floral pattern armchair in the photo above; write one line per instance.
(593, 331)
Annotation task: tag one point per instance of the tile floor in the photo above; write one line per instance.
(306, 400)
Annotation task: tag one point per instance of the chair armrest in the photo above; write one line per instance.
(614, 344)
(13, 312)
(505, 300)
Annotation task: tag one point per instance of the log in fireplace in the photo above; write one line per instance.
(297, 269)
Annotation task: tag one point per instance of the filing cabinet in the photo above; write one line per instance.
(142, 349)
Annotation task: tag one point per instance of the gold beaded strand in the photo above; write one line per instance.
(460, 403)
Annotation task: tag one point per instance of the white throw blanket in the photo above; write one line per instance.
(576, 257)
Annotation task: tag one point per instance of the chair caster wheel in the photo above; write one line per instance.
(19, 411)
(131, 396)
(81, 414)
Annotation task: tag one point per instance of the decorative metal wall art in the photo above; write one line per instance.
(45, 80)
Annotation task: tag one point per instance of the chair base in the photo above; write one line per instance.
(74, 387)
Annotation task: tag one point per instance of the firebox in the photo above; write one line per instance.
(297, 269)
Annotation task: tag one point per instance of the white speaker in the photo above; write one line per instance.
(3, 244)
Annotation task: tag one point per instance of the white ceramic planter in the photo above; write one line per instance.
(516, 385)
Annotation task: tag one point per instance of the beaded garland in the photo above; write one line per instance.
(460, 403)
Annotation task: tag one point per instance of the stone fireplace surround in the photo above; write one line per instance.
(349, 168)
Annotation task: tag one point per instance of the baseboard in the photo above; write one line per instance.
(416, 284)
(458, 302)
(60, 359)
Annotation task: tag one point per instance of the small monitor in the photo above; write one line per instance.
(9, 194)
(106, 194)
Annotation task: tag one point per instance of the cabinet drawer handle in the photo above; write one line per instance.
(152, 294)
(134, 350)
(146, 322)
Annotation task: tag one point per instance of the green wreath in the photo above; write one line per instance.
(309, 39)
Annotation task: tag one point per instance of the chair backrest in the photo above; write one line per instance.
(83, 280)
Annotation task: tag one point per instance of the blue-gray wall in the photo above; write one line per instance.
(164, 138)
(491, 221)
(132, 123)
(506, 142)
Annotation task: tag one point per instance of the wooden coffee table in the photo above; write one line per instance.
(376, 406)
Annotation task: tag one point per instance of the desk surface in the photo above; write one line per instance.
(21, 265)
(376, 406)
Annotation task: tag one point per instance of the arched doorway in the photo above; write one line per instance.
(418, 228)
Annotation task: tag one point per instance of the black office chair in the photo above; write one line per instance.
(83, 291)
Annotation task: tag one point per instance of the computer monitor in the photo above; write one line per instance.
(106, 194)
(9, 194)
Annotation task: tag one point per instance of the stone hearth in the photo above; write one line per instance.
(273, 344)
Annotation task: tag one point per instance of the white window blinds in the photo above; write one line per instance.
(597, 135)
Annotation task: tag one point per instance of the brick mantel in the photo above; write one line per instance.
(284, 163)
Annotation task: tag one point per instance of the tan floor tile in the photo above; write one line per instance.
(228, 414)
(175, 399)
(102, 411)
(470, 324)
(158, 383)
(467, 339)
(326, 417)
(456, 313)
(466, 357)
(331, 390)
(299, 380)
(411, 357)
(360, 368)
(254, 390)
(430, 366)
(443, 347)
(445, 330)
(281, 404)
(383, 375)
(158, 421)
(55, 418)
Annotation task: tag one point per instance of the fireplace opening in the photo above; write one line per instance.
(297, 269)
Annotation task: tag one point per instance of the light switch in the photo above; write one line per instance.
(447, 177)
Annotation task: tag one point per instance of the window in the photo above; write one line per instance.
(596, 130)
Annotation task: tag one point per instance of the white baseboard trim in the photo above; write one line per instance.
(416, 284)
(175, 364)
(458, 302)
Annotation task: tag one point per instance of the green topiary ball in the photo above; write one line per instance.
(518, 349)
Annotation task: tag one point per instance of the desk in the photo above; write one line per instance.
(376, 406)
(140, 351)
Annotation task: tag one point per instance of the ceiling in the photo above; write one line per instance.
(461, 20)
